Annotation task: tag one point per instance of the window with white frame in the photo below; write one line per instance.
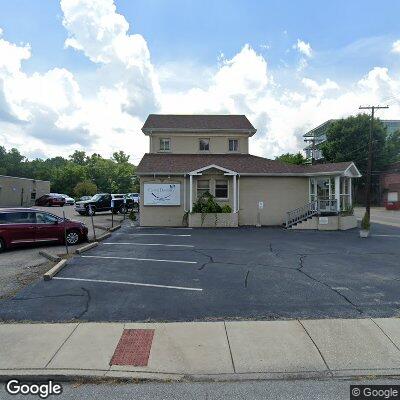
(203, 186)
(204, 144)
(393, 197)
(221, 189)
(165, 144)
(233, 145)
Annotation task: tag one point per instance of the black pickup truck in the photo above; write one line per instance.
(104, 202)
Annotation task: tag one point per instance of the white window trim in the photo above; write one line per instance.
(209, 145)
(159, 145)
(197, 188)
(233, 151)
(215, 189)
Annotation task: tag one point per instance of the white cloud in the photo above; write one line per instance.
(396, 46)
(304, 48)
(50, 113)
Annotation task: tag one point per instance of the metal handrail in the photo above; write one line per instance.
(315, 207)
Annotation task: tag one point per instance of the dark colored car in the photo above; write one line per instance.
(104, 202)
(50, 200)
(24, 226)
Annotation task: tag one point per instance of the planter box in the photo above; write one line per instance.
(219, 220)
(347, 222)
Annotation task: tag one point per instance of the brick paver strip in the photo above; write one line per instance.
(133, 348)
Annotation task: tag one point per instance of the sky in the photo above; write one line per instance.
(84, 74)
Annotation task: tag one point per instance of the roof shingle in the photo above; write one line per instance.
(241, 163)
(197, 122)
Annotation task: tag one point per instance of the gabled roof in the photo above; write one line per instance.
(243, 164)
(189, 123)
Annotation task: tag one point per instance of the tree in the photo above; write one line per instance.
(120, 157)
(85, 188)
(289, 158)
(392, 147)
(78, 157)
(347, 140)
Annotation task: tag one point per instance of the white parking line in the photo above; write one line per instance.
(142, 259)
(151, 244)
(151, 234)
(387, 235)
(130, 283)
(161, 227)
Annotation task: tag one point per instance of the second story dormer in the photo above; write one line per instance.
(198, 134)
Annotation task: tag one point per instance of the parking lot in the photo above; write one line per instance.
(20, 266)
(167, 274)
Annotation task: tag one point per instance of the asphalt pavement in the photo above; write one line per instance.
(166, 274)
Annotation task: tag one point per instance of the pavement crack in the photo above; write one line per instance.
(246, 278)
(300, 269)
(88, 300)
(210, 259)
(47, 297)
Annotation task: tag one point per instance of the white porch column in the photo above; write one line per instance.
(350, 192)
(191, 192)
(337, 192)
(234, 194)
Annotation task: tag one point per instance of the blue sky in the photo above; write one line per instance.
(196, 46)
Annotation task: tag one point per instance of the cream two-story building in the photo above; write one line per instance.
(193, 154)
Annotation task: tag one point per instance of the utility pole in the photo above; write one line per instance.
(369, 166)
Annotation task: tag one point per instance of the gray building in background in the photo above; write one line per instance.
(17, 192)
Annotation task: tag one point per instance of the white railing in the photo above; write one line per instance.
(309, 210)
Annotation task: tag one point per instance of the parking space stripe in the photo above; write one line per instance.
(387, 235)
(151, 234)
(142, 259)
(130, 283)
(161, 227)
(150, 244)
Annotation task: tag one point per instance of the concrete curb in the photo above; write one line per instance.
(86, 247)
(55, 270)
(49, 256)
(115, 228)
(103, 228)
(68, 375)
(104, 236)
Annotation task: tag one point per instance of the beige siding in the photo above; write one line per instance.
(189, 143)
(161, 215)
(279, 194)
(15, 192)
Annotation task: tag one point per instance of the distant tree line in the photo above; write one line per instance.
(77, 175)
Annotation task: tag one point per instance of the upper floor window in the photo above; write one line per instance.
(165, 144)
(204, 144)
(233, 145)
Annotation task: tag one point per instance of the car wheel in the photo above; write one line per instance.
(2, 246)
(72, 238)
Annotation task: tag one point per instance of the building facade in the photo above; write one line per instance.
(193, 154)
(390, 186)
(21, 192)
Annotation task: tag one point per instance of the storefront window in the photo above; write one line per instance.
(221, 189)
(203, 186)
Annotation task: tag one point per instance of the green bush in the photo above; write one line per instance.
(132, 215)
(365, 224)
(226, 209)
(206, 204)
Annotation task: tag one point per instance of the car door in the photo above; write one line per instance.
(105, 202)
(19, 227)
(49, 228)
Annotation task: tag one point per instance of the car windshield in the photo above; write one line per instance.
(96, 197)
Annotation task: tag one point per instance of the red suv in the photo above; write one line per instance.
(50, 200)
(22, 226)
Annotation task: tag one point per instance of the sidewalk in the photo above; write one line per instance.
(203, 350)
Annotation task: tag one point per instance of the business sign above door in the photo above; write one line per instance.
(162, 194)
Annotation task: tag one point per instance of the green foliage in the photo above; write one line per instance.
(391, 151)
(365, 223)
(116, 175)
(85, 188)
(289, 158)
(226, 208)
(347, 140)
(349, 210)
(206, 204)
(132, 215)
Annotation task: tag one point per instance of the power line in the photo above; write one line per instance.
(369, 167)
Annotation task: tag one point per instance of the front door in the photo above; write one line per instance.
(48, 228)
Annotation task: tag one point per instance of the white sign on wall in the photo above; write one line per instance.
(162, 194)
(323, 220)
(260, 205)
